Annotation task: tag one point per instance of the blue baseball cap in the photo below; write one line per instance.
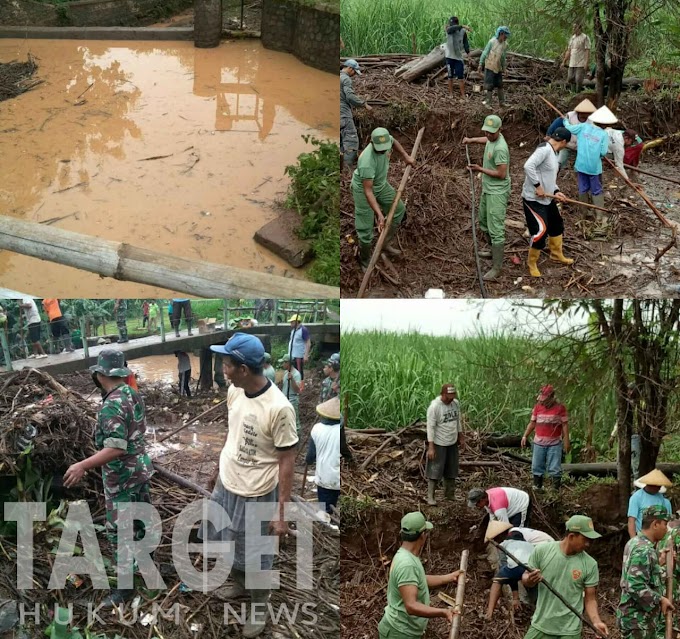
(244, 348)
(353, 64)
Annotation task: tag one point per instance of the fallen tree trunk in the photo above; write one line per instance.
(415, 69)
(179, 480)
(609, 469)
(509, 441)
(133, 264)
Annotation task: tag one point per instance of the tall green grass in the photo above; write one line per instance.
(392, 378)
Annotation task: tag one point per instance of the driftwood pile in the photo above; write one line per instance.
(17, 78)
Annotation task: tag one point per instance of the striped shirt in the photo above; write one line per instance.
(549, 422)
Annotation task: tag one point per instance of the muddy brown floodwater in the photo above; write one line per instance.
(162, 368)
(226, 122)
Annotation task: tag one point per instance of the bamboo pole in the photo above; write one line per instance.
(390, 217)
(583, 619)
(654, 175)
(179, 480)
(387, 441)
(130, 263)
(669, 591)
(192, 420)
(460, 596)
(589, 206)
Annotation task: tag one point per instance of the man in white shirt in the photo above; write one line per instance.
(256, 465)
(324, 452)
(503, 504)
(444, 435)
(578, 56)
(32, 316)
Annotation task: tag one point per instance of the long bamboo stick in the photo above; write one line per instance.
(390, 217)
(589, 206)
(654, 175)
(191, 421)
(130, 263)
(585, 620)
(460, 596)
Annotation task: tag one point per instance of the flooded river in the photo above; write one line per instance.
(162, 368)
(161, 145)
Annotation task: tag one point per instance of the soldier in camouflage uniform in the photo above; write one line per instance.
(119, 439)
(120, 311)
(330, 386)
(639, 615)
(671, 542)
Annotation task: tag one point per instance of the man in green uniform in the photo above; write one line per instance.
(373, 195)
(291, 386)
(119, 439)
(408, 589)
(349, 139)
(495, 190)
(670, 543)
(330, 386)
(268, 370)
(120, 311)
(567, 566)
(642, 604)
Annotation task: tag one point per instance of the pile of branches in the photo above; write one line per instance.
(17, 78)
(37, 410)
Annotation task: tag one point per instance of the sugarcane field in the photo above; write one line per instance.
(513, 474)
(449, 122)
(163, 384)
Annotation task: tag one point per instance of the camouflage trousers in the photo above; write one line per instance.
(349, 140)
(122, 326)
(135, 494)
(643, 627)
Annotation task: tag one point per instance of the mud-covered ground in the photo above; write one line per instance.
(437, 236)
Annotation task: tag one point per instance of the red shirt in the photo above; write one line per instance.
(549, 423)
(631, 155)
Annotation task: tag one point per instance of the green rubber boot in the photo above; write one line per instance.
(364, 256)
(497, 252)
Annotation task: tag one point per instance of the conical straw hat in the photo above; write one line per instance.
(586, 106)
(495, 528)
(655, 478)
(603, 116)
(330, 408)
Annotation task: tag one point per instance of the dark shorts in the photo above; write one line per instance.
(543, 220)
(59, 327)
(492, 80)
(456, 68)
(329, 497)
(34, 332)
(510, 576)
(445, 463)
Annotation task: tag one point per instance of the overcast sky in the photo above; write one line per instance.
(444, 317)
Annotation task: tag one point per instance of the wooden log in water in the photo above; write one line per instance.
(133, 264)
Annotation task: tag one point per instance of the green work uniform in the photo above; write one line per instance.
(639, 613)
(570, 575)
(329, 388)
(670, 541)
(292, 395)
(396, 623)
(495, 193)
(121, 424)
(373, 166)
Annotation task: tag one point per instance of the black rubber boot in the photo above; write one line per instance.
(557, 482)
(449, 489)
(254, 627)
(364, 256)
(431, 487)
(497, 253)
(189, 326)
(538, 482)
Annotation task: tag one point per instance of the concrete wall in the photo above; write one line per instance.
(311, 34)
(87, 13)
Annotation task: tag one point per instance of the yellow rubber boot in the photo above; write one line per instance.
(555, 244)
(532, 261)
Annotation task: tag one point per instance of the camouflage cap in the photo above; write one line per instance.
(111, 363)
(657, 512)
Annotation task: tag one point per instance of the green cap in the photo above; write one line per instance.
(285, 358)
(415, 523)
(582, 525)
(111, 363)
(381, 138)
(267, 358)
(492, 123)
(657, 512)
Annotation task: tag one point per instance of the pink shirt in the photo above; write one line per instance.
(506, 502)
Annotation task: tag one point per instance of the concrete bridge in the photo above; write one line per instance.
(326, 334)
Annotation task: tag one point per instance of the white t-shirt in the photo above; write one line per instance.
(520, 549)
(258, 426)
(327, 443)
(507, 502)
(534, 537)
(32, 314)
(578, 45)
(443, 422)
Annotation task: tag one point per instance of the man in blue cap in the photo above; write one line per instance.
(493, 63)
(256, 464)
(349, 139)
(408, 607)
